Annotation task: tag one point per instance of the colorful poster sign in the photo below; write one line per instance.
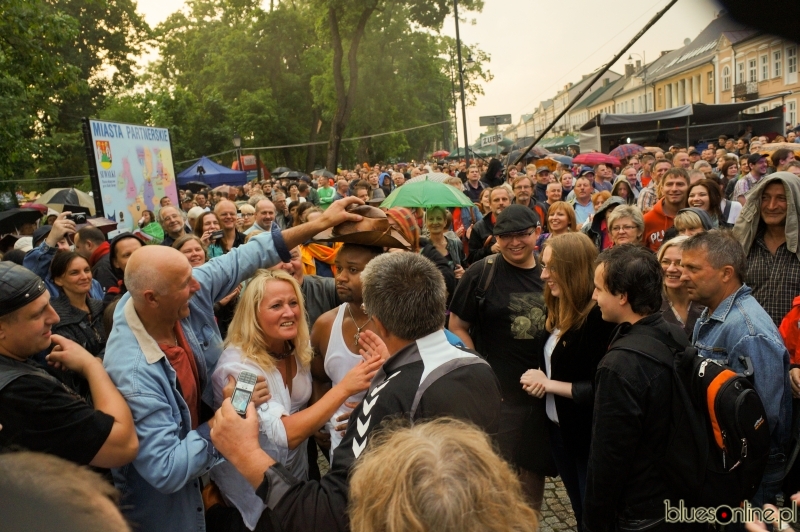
(134, 169)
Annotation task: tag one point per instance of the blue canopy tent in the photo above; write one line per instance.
(212, 174)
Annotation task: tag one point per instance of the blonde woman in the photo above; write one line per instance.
(269, 336)
(441, 475)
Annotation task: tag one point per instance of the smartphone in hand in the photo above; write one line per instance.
(245, 385)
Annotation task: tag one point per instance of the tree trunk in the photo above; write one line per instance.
(345, 97)
(311, 152)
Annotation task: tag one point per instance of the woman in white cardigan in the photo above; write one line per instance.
(269, 336)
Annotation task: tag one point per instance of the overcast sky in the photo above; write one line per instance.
(538, 46)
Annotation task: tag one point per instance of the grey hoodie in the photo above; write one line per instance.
(747, 224)
(705, 218)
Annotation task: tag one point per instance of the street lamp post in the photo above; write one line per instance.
(461, 80)
(237, 143)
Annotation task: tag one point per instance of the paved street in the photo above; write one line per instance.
(556, 509)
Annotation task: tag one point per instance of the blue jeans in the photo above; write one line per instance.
(572, 470)
(771, 482)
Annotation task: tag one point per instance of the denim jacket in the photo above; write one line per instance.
(740, 327)
(161, 488)
(38, 261)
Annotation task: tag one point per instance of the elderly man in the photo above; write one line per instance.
(582, 203)
(523, 195)
(38, 412)
(398, 179)
(481, 240)
(281, 211)
(161, 353)
(423, 377)
(767, 229)
(735, 330)
(265, 216)
(226, 212)
(172, 222)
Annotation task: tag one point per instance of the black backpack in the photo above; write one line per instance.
(719, 435)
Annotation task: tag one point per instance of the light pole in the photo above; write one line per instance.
(644, 81)
(237, 143)
(461, 80)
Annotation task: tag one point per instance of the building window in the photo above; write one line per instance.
(791, 60)
(660, 99)
(710, 82)
(764, 68)
(751, 71)
(791, 112)
(726, 79)
(777, 64)
(739, 72)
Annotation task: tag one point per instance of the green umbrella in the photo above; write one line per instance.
(426, 193)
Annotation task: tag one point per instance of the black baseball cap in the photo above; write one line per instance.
(753, 158)
(515, 218)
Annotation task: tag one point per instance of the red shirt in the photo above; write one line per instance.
(182, 361)
(656, 222)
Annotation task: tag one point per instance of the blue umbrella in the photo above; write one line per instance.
(563, 159)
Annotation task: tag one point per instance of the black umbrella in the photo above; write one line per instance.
(322, 173)
(195, 186)
(13, 219)
(292, 174)
(281, 170)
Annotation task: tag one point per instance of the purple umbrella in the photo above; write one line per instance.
(626, 150)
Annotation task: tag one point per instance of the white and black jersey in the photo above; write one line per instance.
(428, 378)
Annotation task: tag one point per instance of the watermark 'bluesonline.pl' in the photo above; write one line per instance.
(724, 515)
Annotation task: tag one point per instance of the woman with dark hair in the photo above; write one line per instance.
(293, 208)
(623, 190)
(81, 317)
(147, 218)
(729, 174)
(577, 341)
(205, 227)
(705, 195)
(120, 250)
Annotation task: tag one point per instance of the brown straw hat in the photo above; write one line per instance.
(372, 230)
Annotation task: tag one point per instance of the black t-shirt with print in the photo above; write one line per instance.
(508, 331)
(43, 415)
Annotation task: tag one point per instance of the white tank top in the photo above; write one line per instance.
(338, 361)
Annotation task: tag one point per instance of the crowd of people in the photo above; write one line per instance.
(444, 361)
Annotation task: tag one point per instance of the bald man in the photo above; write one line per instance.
(226, 212)
(265, 216)
(161, 353)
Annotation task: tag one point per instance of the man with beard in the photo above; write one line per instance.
(333, 337)
(523, 195)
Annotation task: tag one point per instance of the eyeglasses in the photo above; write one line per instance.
(522, 187)
(520, 234)
(666, 263)
(621, 228)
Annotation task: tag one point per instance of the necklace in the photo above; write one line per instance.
(357, 335)
(286, 354)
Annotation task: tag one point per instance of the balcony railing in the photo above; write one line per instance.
(743, 92)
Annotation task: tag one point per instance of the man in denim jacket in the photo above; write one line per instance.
(170, 306)
(735, 330)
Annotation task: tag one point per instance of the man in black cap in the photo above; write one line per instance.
(498, 309)
(37, 411)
